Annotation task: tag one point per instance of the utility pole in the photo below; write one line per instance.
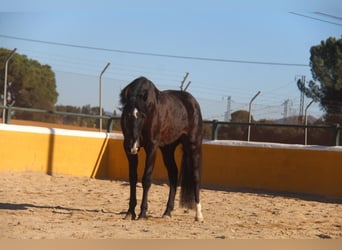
(287, 103)
(5, 85)
(227, 114)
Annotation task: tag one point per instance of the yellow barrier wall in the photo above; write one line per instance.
(294, 169)
(51, 150)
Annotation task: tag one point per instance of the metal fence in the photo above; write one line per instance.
(328, 135)
(11, 109)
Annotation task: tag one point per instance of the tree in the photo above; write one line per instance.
(326, 68)
(241, 116)
(30, 84)
(232, 131)
(78, 120)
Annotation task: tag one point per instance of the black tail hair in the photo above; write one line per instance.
(187, 197)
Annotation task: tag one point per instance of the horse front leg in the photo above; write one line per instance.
(133, 178)
(146, 180)
(169, 161)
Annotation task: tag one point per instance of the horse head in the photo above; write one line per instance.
(138, 99)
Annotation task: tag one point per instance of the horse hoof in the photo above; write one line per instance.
(167, 217)
(129, 216)
(142, 217)
(199, 219)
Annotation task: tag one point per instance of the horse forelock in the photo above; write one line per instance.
(134, 104)
(141, 93)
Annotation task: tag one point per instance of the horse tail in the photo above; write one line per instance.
(187, 196)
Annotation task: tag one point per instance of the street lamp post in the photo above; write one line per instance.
(100, 94)
(250, 115)
(306, 122)
(5, 85)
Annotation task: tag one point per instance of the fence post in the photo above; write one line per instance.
(214, 130)
(110, 125)
(337, 134)
(9, 114)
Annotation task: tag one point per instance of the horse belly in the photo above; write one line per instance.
(170, 134)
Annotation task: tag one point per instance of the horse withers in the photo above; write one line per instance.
(154, 119)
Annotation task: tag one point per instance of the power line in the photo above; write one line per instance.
(328, 15)
(79, 65)
(314, 18)
(156, 54)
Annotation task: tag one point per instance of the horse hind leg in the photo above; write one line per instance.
(190, 192)
(199, 216)
(196, 160)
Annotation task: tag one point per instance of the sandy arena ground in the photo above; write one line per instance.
(39, 206)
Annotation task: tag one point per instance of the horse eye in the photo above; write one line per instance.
(145, 96)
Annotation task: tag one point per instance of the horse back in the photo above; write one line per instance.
(179, 114)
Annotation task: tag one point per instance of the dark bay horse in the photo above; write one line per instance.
(155, 119)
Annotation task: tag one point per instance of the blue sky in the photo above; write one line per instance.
(243, 31)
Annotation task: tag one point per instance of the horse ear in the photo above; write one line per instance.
(156, 92)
